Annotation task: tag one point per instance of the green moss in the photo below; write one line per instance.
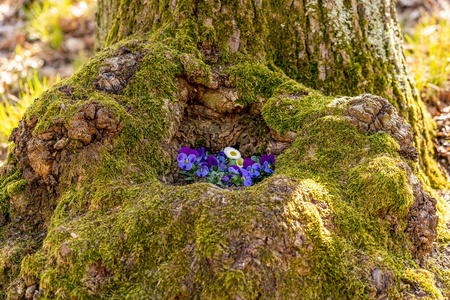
(293, 106)
(119, 232)
(255, 81)
(381, 185)
(10, 157)
(16, 187)
(157, 246)
(158, 239)
(11, 256)
(10, 184)
(423, 279)
(196, 69)
(12, 250)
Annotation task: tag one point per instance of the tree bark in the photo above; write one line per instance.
(339, 47)
(92, 181)
(342, 48)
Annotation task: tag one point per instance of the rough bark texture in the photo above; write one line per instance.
(88, 204)
(339, 47)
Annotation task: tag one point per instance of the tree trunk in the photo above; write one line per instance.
(92, 204)
(338, 47)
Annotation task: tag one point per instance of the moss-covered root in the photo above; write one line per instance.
(277, 240)
(334, 221)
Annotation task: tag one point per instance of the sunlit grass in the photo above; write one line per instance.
(12, 110)
(428, 52)
(45, 17)
(44, 21)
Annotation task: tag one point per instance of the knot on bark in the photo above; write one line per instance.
(375, 114)
(40, 156)
(117, 71)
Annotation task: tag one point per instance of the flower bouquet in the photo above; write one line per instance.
(226, 168)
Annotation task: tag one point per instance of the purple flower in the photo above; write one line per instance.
(254, 170)
(267, 167)
(202, 170)
(267, 162)
(212, 161)
(233, 169)
(223, 166)
(245, 175)
(226, 178)
(185, 161)
(202, 155)
(248, 162)
(188, 151)
(221, 157)
(270, 158)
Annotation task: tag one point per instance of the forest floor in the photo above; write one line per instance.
(42, 41)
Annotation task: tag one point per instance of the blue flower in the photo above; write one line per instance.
(202, 170)
(221, 157)
(202, 155)
(185, 161)
(254, 170)
(233, 169)
(226, 178)
(245, 175)
(267, 162)
(270, 158)
(267, 167)
(223, 166)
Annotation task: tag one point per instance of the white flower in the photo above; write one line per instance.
(232, 153)
(240, 162)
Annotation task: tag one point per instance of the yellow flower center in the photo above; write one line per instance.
(232, 153)
(187, 160)
(251, 171)
(243, 178)
(201, 170)
(268, 166)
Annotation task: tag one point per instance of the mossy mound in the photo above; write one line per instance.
(96, 151)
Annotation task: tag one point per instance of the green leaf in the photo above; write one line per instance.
(189, 178)
(183, 172)
(255, 158)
